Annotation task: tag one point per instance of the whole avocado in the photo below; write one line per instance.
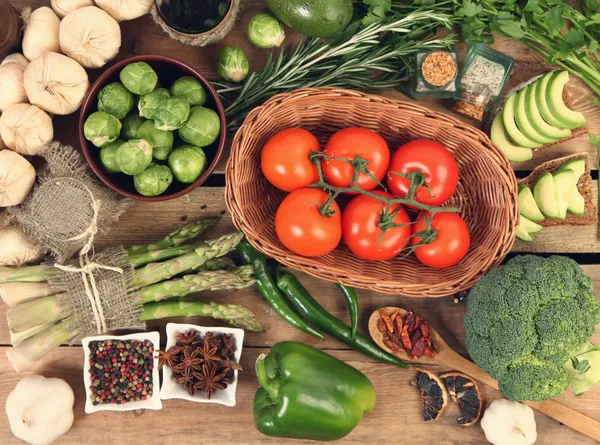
(313, 18)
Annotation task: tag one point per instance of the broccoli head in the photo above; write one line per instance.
(526, 319)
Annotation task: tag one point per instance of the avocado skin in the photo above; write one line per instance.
(313, 18)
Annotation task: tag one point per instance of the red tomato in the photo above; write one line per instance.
(451, 244)
(435, 162)
(285, 159)
(350, 143)
(302, 228)
(362, 232)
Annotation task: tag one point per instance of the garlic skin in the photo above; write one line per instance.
(41, 32)
(16, 58)
(16, 249)
(12, 88)
(126, 9)
(40, 410)
(17, 176)
(64, 7)
(25, 129)
(509, 423)
(56, 83)
(90, 36)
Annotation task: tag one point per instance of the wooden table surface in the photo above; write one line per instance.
(397, 414)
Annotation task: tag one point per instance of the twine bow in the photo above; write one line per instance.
(87, 269)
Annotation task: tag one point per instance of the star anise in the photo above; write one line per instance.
(187, 338)
(190, 361)
(169, 358)
(208, 381)
(209, 352)
(187, 381)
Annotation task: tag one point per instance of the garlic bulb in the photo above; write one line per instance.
(2, 144)
(63, 7)
(126, 9)
(12, 90)
(16, 58)
(17, 176)
(25, 128)
(56, 83)
(90, 36)
(41, 32)
(16, 248)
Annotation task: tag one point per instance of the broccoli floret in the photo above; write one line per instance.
(526, 318)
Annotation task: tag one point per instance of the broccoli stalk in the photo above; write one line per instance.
(584, 368)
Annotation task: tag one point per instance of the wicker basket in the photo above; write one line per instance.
(486, 193)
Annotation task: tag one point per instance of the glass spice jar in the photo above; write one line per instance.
(435, 74)
(482, 80)
(10, 28)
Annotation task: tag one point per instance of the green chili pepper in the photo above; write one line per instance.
(314, 313)
(352, 301)
(267, 287)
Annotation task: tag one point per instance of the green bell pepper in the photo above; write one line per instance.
(308, 394)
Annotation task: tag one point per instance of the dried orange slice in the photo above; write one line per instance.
(464, 391)
(434, 396)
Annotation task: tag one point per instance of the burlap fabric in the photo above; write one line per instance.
(207, 38)
(67, 206)
(96, 291)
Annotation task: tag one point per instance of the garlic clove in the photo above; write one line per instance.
(126, 9)
(25, 128)
(41, 32)
(17, 176)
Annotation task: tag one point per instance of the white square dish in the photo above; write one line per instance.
(153, 402)
(172, 390)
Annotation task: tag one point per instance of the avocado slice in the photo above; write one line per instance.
(542, 103)
(544, 194)
(523, 122)
(575, 202)
(535, 118)
(500, 139)
(522, 234)
(563, 183)
(508, 119)
(529, 226)
(527, 206)
(577, 166)
(554, 96)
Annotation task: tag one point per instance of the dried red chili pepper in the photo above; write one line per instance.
(381, 326)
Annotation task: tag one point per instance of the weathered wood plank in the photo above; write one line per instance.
(396, 414)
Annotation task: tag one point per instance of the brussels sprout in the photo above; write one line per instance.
(161, 141)
(232, 64)
(187, 163)
(154, 180)
(134, 156)
(115, 99)
(150, 102)
(108, 156)
(265, 31)
(131, 124)
(101, 128)
(139, 78)
(172, 114)
(202, 128)
(190, 89)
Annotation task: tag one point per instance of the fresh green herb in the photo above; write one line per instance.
(580, 365)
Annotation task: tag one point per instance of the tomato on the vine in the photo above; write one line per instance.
(363, 222)
(351, 143)
(451, 243)
(437, 166)
(285, 159)
(302, 228)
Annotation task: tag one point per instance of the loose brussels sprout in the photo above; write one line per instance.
(139, 78)
(232, 64)
(115, 99)
(150, 102)
(131, 124)
(172, 114)
(190, 89)
(202, 128)
(101, 128)
(154, 180)
(161, 141)
(134, 156)
(265, 31)
(187, 163)
(108, 156)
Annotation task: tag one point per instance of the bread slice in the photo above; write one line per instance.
(585, 186)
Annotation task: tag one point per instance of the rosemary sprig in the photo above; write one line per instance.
(375, 57)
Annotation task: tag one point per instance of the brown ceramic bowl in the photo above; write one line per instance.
(168, 69)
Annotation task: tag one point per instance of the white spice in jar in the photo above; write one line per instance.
(484, 72)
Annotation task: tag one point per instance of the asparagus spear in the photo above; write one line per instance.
(155, 272)
(176, 238)
(208, 280)
(141, 259)
(27, 274)
(233, 314)
(221, 263)
(17, 293)
(17, 339)
(34, 313)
